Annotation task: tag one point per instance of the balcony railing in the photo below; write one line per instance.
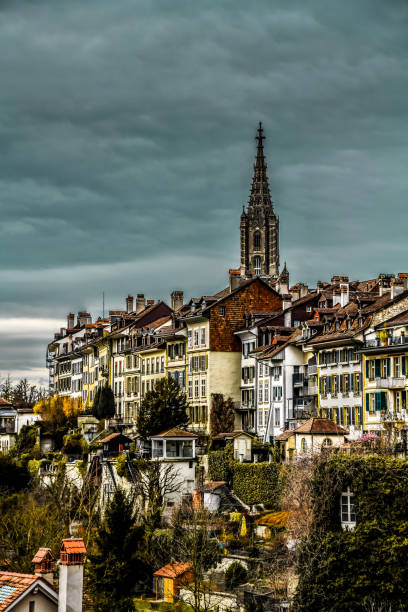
(391, 341)
(390, 383)
(299, 379)
(312, 369)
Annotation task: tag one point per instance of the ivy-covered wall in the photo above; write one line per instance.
(219, 466)
(365, 568)
(257, 483)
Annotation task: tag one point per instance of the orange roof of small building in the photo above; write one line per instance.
(73, 546)
(13, 585)
(173, 570)
(318, 425)
(4, 402)
(112, 436)
(175, 432)
(285, 435)
(232, 434)
(42, 554)
(212, 485)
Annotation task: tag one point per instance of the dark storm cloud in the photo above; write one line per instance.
(126, 145)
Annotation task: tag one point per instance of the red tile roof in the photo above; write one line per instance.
(17, 583)
(317, 425)
(213, 485)
(173, 570)
(41, 554)
(175, 432)
(4, 402)
(73, 546)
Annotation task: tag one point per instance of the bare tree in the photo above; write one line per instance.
(154, 482)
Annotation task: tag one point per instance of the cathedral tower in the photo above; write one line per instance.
(259, 224)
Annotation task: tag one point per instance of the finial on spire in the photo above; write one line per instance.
(260, 137)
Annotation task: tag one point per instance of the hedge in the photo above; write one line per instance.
(219, 467)
(257, 483)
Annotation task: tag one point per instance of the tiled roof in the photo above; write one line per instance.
(113, 436)
(73, 546)
(285, 435)
(175, 432)
(317, 425)
(231, 434)
(42, 554)
(399, 319)
(173, 570)
(213, 485)
(12, 585)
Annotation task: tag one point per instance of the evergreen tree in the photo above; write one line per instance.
(163, 407)
(222, 414)
(104, 403)
(118, 561)
(107, 403)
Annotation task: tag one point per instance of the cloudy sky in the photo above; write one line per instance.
(127, 143)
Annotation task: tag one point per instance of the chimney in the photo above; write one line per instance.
(403, 276)
(129, 303)
(84, 318)
(397, 287)
(44, 562)
(319, 285)
(336, 296)
(287, 314)
(304, 289)
(344, 294)
(70, 320)
(140, 302)
(176, 299)
(71, 575)
(234, 279)
(295, 292)
(149, 302)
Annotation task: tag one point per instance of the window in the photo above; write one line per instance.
(190, 338)
(277, 417)
(303, 446)
(257, 241)
(31, 606)
(327, 442)
(266, 392)
(203, 387)
(308, 309)
(196, 337)
(221, 311)
(397, 366)
(347, 513)
(260, 394)
(162, 365)
(195, 363)
(257, 265)
(190, 388)
(196, 389)
(203, 335)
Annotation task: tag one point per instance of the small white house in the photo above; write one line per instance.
(313, 436)
(242, 441)
(178, 447)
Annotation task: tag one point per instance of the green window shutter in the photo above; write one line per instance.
(388, 360)
(367, 401)
(378, 368)
(383, 400)
(378, 400)
(404, 366)
(367, 368)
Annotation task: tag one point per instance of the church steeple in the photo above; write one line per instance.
(259, 224)
(260, 195)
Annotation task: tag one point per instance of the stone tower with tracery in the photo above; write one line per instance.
(259, 224)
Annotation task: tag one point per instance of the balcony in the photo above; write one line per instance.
(299, 380)
(391, 341)
(244, 406)
(390, 383)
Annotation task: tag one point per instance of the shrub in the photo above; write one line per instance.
(219, 467)
(235, 575)
(121, 467)
(257, 483)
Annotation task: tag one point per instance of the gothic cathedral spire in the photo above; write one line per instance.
(259, 224)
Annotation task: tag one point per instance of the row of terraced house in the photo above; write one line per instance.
(282, 354)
